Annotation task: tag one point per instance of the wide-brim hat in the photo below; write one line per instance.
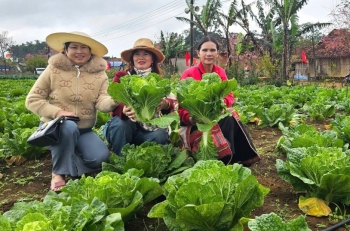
(142, 44)
(57, 41)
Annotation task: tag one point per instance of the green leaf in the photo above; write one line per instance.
(5, 223)
(158, 210)
(142, 94)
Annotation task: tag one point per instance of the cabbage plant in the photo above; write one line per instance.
(322, 172)
(156, 160)
(204, 100)
(121, 193)
(142, 94)
(210, 196)
(55, 215)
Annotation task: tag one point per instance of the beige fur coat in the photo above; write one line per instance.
(62, 86)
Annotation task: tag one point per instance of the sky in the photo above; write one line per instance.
(115, 23)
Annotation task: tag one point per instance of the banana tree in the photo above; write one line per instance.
(205, 21)
(264, 21)
(286, 12)
(226, 21)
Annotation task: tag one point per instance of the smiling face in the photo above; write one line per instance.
(78, 53)
(142, 59)
(208, 53)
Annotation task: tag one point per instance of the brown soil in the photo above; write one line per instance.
(31, 181)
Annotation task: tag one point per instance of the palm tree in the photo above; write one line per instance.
(226, 21)
(241, 17)
(204, 21)
(264, 21)
(287, 16)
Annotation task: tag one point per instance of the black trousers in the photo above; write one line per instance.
(239, 140)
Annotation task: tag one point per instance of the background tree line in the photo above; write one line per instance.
(278, 35)
(35, 47)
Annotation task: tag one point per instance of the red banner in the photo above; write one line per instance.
(303, 57)
(187, 57)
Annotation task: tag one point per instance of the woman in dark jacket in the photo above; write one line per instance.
(122, 128)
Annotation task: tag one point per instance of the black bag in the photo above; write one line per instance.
(49, 132)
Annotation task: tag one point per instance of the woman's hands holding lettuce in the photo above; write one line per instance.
(129, 113)
(163, 105)
(141, 94)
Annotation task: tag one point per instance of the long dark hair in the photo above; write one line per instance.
(155, 64)
(207, 39)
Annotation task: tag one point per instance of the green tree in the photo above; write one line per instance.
(272, 34)
(264, 21)
(35, 47)
(35, 61)
(172, 45)
(226, 21)
(310, 38)
(206, 20)
(286, 12)
(197, 35)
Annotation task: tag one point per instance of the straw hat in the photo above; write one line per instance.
(143, 44)
(57, 41)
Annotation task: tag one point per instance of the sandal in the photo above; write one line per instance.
(57, 186)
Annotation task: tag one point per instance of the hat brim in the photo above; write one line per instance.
(126, 55)
(57, 40)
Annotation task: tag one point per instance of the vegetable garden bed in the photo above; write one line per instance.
(26, 181)
(31, 181)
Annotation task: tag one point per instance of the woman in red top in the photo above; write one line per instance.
(230, 129)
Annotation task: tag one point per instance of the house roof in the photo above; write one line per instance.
(336, 44)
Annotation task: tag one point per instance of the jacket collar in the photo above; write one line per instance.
(94, 65)
(202, 70)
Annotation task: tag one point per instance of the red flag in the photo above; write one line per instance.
(187, 57)
(303, 57)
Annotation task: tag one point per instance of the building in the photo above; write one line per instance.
(331, 56)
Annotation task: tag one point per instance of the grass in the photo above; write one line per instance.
(284, 211)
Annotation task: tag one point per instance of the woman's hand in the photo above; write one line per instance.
(163, 105)
(127, 111)
(65, 113)
(193, 121)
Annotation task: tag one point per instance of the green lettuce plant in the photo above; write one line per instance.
(304, 135)
(204, 101)
(156, 160)
(277, 113)
(322, 172)
(210, 196)
(54, 215)
(341, 124)
(15, 144)
(319, 110)
(121, 193)
(142, 94)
